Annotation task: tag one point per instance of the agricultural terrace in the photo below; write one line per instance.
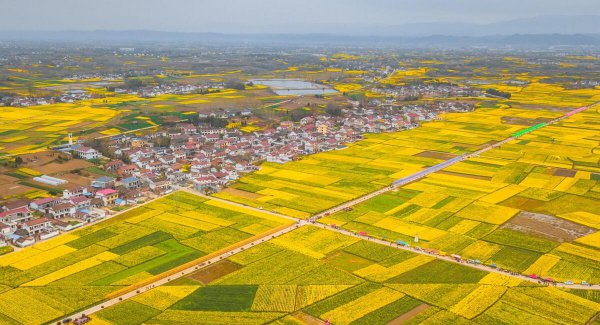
(323, 275)
(75, 270)
(317, 182)
(530, 206)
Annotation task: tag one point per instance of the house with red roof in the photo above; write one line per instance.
(44, 203)
(108, 196)
(15, 216)
(36, 226)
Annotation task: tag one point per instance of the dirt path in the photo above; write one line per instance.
(307, 319)
(593, 319)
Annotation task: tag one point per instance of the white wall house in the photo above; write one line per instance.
(87, 153)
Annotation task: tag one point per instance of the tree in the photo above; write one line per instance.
(162, 141)
(498, 93)
(216, 122)
(235, 84)
(126, 159)
(18, 161)
(194, 118)
(297, 114)
(102, 146)
(133, 83)
(333, 110)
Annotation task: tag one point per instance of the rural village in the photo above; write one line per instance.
(206, 157)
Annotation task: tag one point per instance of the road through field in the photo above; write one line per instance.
(312, 222)
(451, 259)
(135, 292)
(421, 174)
(301, 222)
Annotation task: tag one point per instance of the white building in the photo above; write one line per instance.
(87, 153)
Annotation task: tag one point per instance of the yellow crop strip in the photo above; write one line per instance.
(43, 257)
(380, 273)
(71, 269)
(362, 306)
(478, 301)
(163, 297)
(543, 265)
(236, 208)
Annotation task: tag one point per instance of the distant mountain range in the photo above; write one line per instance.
(129, 38)
(565, 25)
(533, 32)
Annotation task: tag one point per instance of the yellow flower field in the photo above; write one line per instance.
(361, 306)
(478, 300)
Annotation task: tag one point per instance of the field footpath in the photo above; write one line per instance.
(208, 260)
(312, 222)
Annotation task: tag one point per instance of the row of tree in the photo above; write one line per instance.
(498, 93)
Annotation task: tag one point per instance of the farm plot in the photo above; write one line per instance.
(93, 262)
(34, 128)
(529, 200)
(276, 282)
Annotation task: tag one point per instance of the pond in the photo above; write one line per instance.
(284, 87)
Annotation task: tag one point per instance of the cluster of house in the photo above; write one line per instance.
(171, 89)
(69, 96)
(585, 84)
(98, 76)
(414, 113)
(23, 222)
(203, 156)
(209, 157)
(431, 90)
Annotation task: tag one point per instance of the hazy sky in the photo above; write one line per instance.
(268, 15)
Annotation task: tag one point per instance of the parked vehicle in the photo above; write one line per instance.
(82, 320)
